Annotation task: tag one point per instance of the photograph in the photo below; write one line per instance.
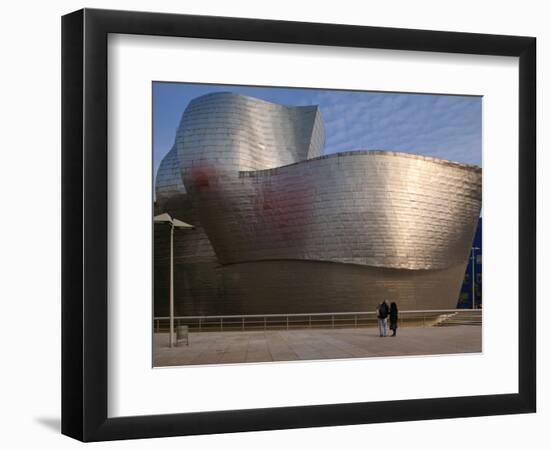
(300, 224)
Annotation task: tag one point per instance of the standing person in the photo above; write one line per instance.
(393, 318)
(382, 314)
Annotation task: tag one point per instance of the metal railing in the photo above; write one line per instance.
(258, 322)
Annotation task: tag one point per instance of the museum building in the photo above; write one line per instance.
(282, 228)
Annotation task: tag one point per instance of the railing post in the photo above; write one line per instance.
(287, 322)
(242, 324)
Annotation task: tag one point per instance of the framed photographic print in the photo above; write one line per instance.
(273, 224)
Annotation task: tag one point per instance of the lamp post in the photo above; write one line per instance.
(174, 223)
(474, 277)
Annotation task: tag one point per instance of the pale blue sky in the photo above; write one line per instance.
(444, 126)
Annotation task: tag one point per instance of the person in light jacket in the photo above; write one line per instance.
(382, 315)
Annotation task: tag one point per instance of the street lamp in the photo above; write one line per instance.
(474, 277)
(174, 223)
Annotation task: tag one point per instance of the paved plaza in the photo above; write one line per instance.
(306, 344)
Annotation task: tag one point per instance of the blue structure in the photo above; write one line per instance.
(465, 299)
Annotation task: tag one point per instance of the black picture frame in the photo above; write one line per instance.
(84, 224)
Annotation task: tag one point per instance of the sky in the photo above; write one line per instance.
(444, 126)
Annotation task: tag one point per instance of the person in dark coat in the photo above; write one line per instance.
(393, 318)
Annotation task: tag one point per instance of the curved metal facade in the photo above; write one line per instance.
(392, 224)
